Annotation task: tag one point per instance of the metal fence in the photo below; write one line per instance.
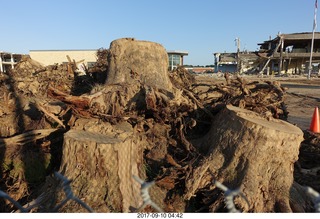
(229, 194)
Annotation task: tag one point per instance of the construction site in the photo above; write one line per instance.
(128, 133)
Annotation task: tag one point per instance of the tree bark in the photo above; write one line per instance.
(133, 60)
(101, 166)
(248, 151)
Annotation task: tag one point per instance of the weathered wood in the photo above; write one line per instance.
(78, 101)
(26, 137)
(49, 114)
(101, 167)
(247, 151)
(133, 60)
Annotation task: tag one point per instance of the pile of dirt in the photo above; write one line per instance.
(100, 134)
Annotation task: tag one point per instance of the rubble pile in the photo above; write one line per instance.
(167, 123)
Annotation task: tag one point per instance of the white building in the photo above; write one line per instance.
(8, 60)
(50, 57)
(175, 58)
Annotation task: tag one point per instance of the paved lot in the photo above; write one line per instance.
(301, 99)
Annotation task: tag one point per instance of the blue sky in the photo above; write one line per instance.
(200, 27)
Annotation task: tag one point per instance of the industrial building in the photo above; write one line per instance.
(242, 62)
(290, 53)
(285, 54)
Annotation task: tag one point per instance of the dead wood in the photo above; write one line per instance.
(162, 126)
(79, 101)
(307, 168)
(133, 60)
(244, 150)
(104, 166)
(100, 68)
(50, 115)
(266, 98)
(189, 94)
(26, 137)
(181, 78)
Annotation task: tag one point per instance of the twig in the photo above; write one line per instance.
(50, 115)
(26, 137)
(198, 103)
(145, 194)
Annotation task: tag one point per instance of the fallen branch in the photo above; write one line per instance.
(26, 137)
(49, 114)
(189, 94)
(78, 101)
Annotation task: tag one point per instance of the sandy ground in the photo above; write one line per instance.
(301, 98)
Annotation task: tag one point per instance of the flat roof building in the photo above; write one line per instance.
(175, 58)
(290, 53)
(49, 57)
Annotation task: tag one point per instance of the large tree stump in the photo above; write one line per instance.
(131, 60)
(246, 151)
(101, 164)
(137, 70)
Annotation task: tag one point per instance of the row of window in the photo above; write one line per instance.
(174, 61)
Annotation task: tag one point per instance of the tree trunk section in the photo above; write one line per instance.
(101, 166)
(133, 60)
(244, 150)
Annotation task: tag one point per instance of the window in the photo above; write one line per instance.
(174, 61)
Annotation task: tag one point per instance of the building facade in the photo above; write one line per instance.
(225, 62)
(88, 57)
(290, 53)
(50, 57)
(8, 60)
(241, 62)
(175, 58)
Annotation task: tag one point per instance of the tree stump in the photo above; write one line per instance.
(130, 60)
(101, 162)
(101, 166)
(244, 150)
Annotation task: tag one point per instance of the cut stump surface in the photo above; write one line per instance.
(101, 167)
(248, 151)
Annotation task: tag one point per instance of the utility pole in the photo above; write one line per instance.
(237, 40)
(281, 55)
(312, 41)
